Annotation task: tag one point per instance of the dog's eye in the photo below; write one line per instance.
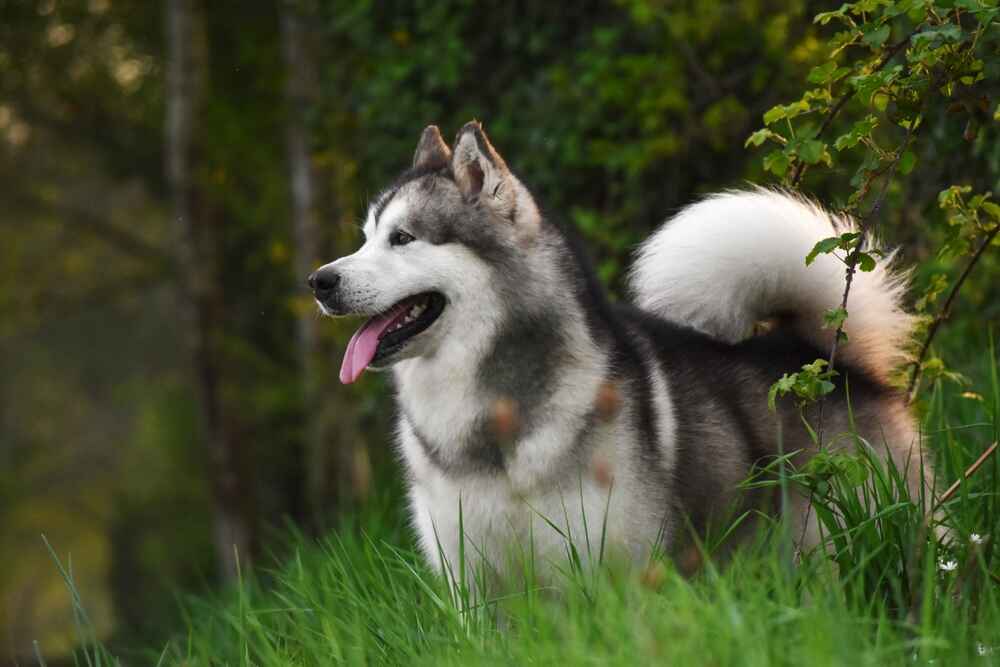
(399, 237)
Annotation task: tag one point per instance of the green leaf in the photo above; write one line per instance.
(780, 112)
(907, 162)
(784, 385)
(822, 73)
(866, 262)
(823, 247)
(895, 9)
(834, 318)
(992, 209)
(776, 162)
(938, 284)
(811, 151)
(825, 17)
(932, 36)
(987, 16)
(859, 131)
(760, 136)
(774, 114)
(951, 197)
(816, 366)
(862, 7)
(848, 240)
(868, 85)
(877, 37)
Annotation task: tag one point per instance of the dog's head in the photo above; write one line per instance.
(435, 241)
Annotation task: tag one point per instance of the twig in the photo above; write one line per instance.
(852, 265)
(855, 256)
(970, 471)
(943, 314)
(800, 166)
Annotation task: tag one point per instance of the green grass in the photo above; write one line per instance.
(881, 597)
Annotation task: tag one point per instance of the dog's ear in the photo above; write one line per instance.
(482, 174)
(431, 151)
(476, 163)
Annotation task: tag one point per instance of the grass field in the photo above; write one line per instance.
(888, 593)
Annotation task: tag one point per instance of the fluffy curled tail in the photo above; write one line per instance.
(738, 258)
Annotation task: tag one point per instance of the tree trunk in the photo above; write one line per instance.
(204, 302)
(335, 464)
(300, 86)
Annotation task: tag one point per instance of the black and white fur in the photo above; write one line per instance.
(533, 396)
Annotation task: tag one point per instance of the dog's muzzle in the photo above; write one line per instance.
(324, 284)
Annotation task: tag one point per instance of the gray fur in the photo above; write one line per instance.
(526, 341)
(483, 455)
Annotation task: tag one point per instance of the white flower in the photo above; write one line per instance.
(977, 538)
(983, 649)
(947, 565)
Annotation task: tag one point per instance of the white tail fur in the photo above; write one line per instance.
(737, 258)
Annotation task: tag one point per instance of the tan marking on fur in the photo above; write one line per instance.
(505, 417)
(608, 401)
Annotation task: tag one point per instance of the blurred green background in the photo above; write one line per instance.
(166, 387)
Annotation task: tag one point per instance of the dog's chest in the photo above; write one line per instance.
(484, 518)
(444, 407)
(487, 516)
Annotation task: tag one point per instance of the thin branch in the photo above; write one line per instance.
(800, 166)
(969, 472)
(855, 255)
(944, 313)
(852, 263)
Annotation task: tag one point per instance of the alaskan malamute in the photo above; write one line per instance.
(533, 411)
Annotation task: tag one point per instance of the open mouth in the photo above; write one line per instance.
(384, 335)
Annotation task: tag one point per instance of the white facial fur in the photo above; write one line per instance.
(379, 275)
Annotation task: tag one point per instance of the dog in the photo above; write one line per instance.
(534, 411)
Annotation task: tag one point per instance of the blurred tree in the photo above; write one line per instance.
(198, 247)
(299, 47)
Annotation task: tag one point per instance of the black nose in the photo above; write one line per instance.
(324, 281)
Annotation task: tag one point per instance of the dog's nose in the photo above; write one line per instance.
(323, 281)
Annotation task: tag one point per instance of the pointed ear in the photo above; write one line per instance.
(482, 174)
(431, 149)
(476, 163)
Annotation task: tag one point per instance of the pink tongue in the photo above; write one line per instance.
(364, 342)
